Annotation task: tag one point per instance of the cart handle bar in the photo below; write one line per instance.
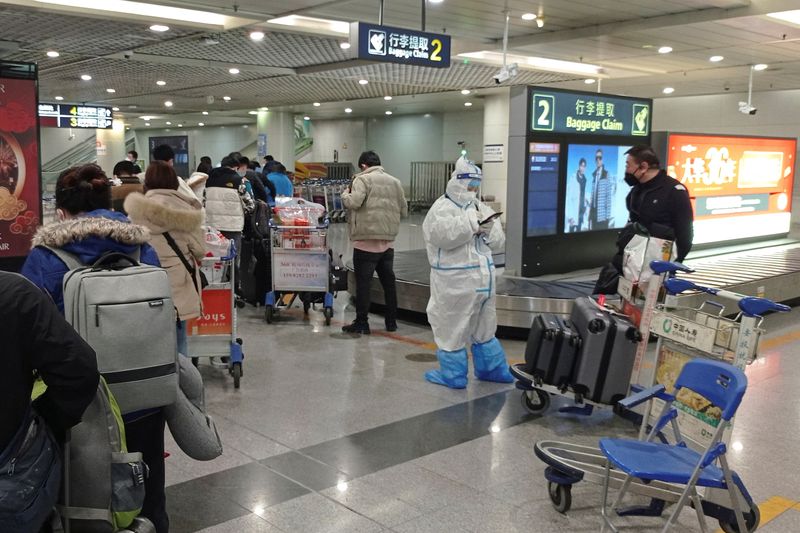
(749, 305)
(662, 267)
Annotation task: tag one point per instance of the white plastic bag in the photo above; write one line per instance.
(217, 245)
(638, 254)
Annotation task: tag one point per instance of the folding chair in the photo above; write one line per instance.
(723, 385)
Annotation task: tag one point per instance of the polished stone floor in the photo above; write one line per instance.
(331, 432)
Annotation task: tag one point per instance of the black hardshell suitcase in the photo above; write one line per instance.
(550, 351)
(608, 347)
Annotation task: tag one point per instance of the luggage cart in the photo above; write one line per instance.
(683, 333)
(214, 334)
(300, 267)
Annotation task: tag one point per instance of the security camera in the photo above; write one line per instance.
(747, 109)
(127, 54)
(506, 73)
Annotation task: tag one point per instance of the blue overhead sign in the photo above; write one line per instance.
(589, 113)
(397, 45)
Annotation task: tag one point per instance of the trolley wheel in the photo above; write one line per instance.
(236, 372)
(560, 496)
(535, 401)
(240, 303)
(751, 521)
(328, 311)
(269, 314)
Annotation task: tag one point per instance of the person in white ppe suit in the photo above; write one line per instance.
(461, 309)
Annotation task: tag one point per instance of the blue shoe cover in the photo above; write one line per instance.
(453, 371)
(490, 362)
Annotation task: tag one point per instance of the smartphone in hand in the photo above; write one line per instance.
(490, 218)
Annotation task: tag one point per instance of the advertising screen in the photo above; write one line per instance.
(741, 187)
(180, 145)
(596, 190)
(20, 198)
(542, 212)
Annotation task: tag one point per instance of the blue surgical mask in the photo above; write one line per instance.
(241, 173)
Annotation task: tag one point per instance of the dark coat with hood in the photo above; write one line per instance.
(89, 237)
(36, 337)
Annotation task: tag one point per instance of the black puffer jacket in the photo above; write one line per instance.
(36, 337)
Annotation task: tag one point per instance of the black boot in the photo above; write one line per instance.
(356, 327)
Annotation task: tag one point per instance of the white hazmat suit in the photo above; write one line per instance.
(461, 309)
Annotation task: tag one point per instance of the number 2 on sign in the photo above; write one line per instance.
(543, 119)
(437, 50)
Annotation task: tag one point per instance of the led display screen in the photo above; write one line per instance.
(741, 187)
(543, 168)
(595, 188)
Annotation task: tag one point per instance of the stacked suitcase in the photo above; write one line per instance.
(591, 353)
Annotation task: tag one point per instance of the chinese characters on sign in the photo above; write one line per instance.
(300, 271)
(77, 116)
(397, 45)
(567, 112)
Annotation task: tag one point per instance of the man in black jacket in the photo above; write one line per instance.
(36, 337)
(657, 202)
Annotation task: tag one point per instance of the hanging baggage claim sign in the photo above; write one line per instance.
(589, 113)
(397, 45)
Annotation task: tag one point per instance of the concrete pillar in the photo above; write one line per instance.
(110, 146)
(279, 128)
(495, 131)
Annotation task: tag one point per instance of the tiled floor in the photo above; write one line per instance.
(337, 433)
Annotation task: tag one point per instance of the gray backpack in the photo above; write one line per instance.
(124, 310)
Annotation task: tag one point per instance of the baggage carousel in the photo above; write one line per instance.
(770, 269)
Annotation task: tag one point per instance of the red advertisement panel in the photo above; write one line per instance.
(217, 318)
(741, 187)
(20, 209)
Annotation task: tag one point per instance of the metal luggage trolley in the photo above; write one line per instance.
(214, 334)
(683, 334)
(300, 264)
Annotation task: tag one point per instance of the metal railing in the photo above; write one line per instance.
(340, 171)
(428, 182)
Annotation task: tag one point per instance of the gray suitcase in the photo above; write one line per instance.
(551, 349)
(608, 348)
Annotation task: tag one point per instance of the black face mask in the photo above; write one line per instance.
(630, 179)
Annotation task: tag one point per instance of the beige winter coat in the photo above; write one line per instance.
(376, 203)
(161, 211)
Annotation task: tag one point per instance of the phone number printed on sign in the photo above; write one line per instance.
(684, 331)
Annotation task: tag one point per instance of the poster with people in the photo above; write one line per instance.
(596, 189)
(20, 196)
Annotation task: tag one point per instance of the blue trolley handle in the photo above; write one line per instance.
(663, 267)
(749, 305)
(231, 253)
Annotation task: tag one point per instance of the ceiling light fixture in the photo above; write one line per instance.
(146, 123)
(233, 70)
(335, 27)
(387, 97)
(159, 28)
(792, 17)
(169, 123)
(467, 104)
(168, 103)
(344, 46)
(114, 109)
(589, 81)
(388, 112)
(538, 63)
(316, 104)
(52, 53)
(226, 98)
(665, 50)
(263, 109)
(528, 16)
(161, 83)
(540, 22)
(146, 118)
(111, 91)
(760, 66)
(59, 98)
(306, 117)
(180, 125)
(257, 35)
(465, 92)
(348, 110)
(363, 82)
(715, 59)
(201, 124)
(252, 112)
(204, 113)
(668, 90)
(85, 77)
(146, 10)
